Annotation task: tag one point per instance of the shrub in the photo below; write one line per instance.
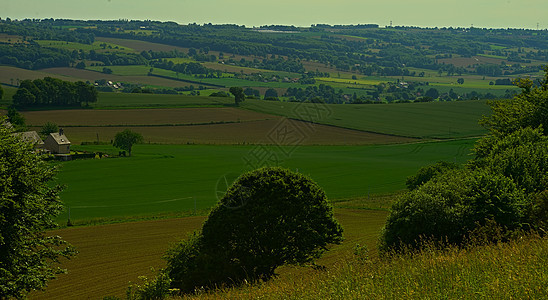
(427, 173)
(450, 206)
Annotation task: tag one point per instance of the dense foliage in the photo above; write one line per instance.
(54, 92)
(506, 182)
(268, 218)
(28, 206)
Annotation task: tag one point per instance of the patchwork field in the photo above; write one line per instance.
(234, 132)
(175, 116)
(199, 126)
(113, 255)
(179, 178)
(10, 75)
(421, 120)
(86, 75)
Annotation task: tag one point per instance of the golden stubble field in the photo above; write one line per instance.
(113, 255)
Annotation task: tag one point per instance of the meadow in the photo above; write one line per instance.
(420, 120)
(182, 178)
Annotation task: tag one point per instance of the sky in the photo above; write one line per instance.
(423, 13)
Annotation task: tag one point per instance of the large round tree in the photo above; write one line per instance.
(268, 218)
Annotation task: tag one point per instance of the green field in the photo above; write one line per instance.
(423, 120)
(85, 47)
(174, 178)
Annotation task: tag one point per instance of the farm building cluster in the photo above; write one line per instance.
(55, 143)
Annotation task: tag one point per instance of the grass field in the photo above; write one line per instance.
(112, 255)
(175, 178)
(85, 47)
(421, 120)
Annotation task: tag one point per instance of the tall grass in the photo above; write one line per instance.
(514, 270)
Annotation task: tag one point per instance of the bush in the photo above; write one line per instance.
(448, 207)
(427, 173)
(268, 218)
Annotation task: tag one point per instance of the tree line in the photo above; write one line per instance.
(54, 92)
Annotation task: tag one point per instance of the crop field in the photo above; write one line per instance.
(161, 116)
(123, 100)
(10, 75)
(8, 38)
(176, 178)
(235, 133)
(113, 255)
(85, 47)
(422, 120)
(140, 45)
(84, 75)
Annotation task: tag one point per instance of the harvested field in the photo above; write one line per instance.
(248, 132)
(7, 74)
(145, 46)
(92, 76)
(113, 255)
(87, 117)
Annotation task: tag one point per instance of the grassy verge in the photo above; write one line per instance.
(513, 270)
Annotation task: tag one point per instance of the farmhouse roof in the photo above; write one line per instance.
(30, 137)
(60, 137)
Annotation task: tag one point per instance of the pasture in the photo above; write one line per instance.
(180, 178)
(420, 120)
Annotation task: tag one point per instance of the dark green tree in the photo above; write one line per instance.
(48, 128)
(271, 94)
(15, 118)
(268, 218)
(28, 207)
(126, 139)
(80, 65)
(23, 97)
(527, 109)
(460, 81)
(425, 174)
(432, 93)
(86, 93)
(238, 93)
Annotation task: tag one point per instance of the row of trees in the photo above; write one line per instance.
(51, 91)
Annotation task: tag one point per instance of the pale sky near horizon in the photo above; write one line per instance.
(423, 13)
